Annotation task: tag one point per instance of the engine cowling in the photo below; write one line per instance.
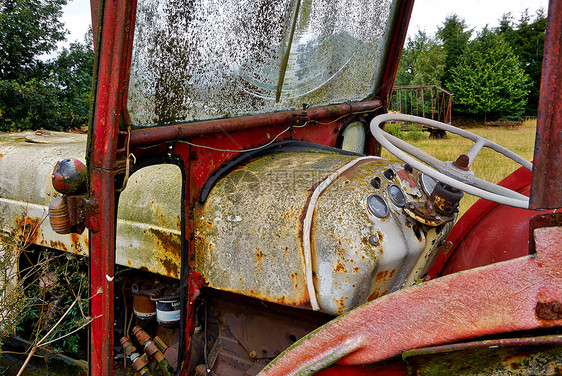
(315, 230)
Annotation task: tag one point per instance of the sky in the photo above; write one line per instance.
(427, 14)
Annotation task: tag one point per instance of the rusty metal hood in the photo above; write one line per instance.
(296, 229)
(148, 225)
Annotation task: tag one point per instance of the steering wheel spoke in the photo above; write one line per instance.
(448, 173)
(475, 150)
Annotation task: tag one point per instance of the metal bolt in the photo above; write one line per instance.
(374, 240)
(462, 162)
(408, 168)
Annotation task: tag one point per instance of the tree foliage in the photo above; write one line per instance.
(498, 73)
(28, 29)
(489, 79)
(527, 40)
(454, 36)
(37, 93)
(422, 62)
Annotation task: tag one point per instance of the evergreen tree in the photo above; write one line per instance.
(35, 93)
(71, 72)
(489, 79)
(454, 36)
(527, 40)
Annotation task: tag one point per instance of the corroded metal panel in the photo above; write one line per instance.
(248, 233)
(149, 215)
(149, 221)
(520, 356)
(296, 229)
(350, 266)
(26, 163)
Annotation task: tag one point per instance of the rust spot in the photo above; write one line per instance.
(171, 267)
(549, 310)
(168, 241)
(75, 242)
(417, 232)
(295, 279)
(58, 245)
(340, 267)
(1, 155)
(129, 262)
(514, 360)
(259, 255)
(356, 270)
(28, 229)
(376, 294)
(385, 275)
(380, 235)
(340, 303)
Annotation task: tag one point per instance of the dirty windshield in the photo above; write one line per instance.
(203, 59)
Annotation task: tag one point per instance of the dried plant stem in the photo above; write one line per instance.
(40, 342)
(33, 349)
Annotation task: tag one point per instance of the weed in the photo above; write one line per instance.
(13, 301)
(41, 293)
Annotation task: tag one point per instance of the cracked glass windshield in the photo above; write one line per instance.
(205, 59)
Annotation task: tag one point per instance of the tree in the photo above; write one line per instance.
(422, 62)
(57, 100)
(489, 79)
(454, 36)
(527, 40)
(28, 28)
(71, 73)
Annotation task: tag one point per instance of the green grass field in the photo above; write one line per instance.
(489, 165)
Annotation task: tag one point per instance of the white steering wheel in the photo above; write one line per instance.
(447, 172)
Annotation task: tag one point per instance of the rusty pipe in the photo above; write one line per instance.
(160, 344)
(151, 349)
(140, 362)
(158, 135)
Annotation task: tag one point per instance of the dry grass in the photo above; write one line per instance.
(489, 165)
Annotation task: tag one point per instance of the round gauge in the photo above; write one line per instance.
(428, 184)
(353, 137)
(396, 195)
(377, 206)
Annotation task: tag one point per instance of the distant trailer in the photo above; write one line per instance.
(428, 101)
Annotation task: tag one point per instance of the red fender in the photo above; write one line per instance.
(520, 294)
(489, 232)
